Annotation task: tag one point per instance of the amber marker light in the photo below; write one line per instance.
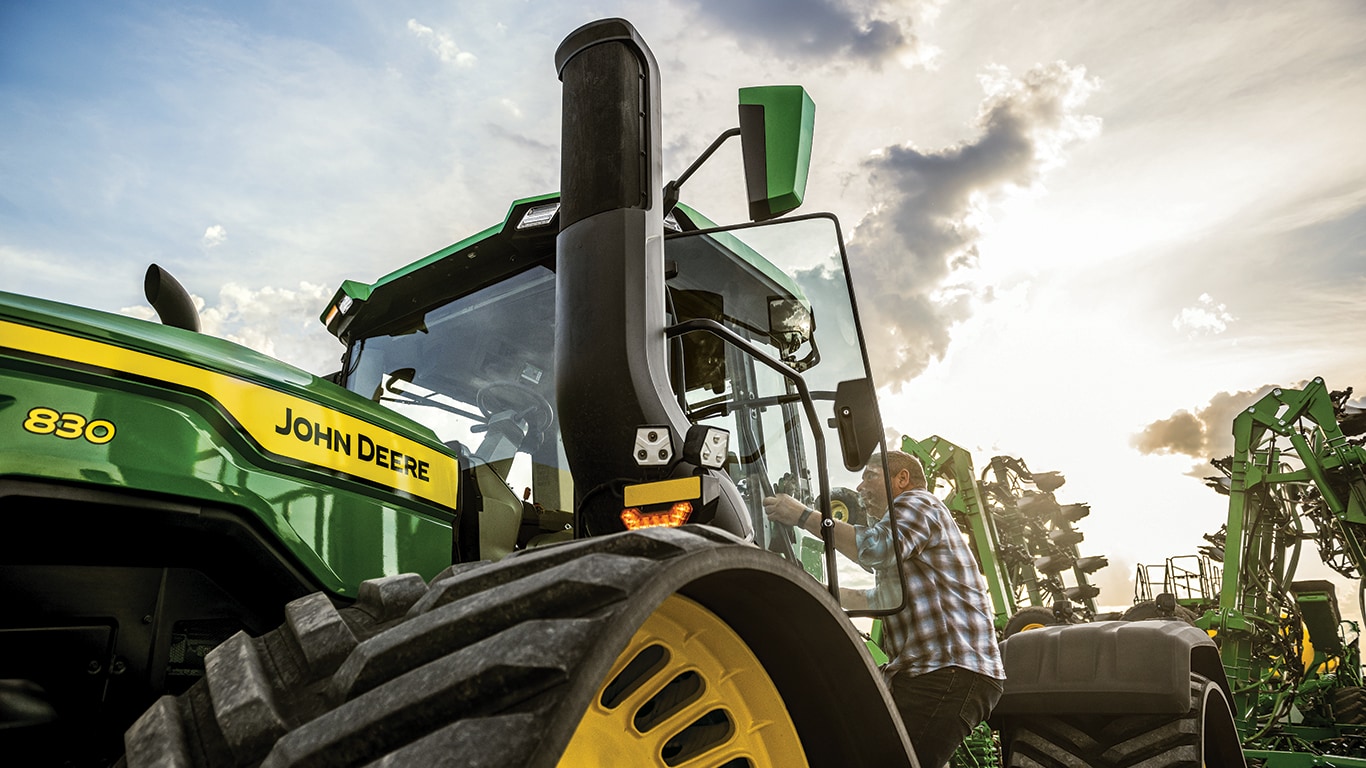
(675, 516)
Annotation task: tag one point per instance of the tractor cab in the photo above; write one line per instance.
(763, 341)
(596, 378)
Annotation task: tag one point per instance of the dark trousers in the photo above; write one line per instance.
(941, 708)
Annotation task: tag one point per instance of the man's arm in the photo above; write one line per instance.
(782, 508)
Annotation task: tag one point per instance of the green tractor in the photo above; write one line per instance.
(1297, 474)
(162, 490)
(522, 525)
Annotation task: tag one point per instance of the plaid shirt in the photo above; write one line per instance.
(946, 620)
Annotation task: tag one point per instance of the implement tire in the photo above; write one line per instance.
(1028, 618)
(652, 648)
(1203, 736)
(847, 507)
(1349, 705)
(1148, 611)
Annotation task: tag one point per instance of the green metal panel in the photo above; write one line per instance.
(1301, 759)
(80, 424)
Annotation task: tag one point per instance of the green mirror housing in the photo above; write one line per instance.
(776, 123)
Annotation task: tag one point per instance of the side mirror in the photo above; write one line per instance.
(790, 324)
(776, 123)
(400, 375)
(857, 421)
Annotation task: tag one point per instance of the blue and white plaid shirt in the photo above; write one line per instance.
(946, 620)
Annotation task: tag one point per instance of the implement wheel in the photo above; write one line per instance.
(1148, 610)
(1030, 617)
(656, 648)
(1349, 705)
(1203, 736)
(847, 507)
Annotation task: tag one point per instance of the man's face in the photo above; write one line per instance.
(872, 491)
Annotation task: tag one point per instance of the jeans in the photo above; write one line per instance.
(941, 708)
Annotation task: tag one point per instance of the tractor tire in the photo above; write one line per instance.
(1031, 617)
(847, 507)
(1147, 610)
(1349, 705)
(1203, 736)
(651, 648)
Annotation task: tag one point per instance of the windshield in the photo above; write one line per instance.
(478, 372)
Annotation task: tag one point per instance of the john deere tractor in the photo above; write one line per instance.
(522, 525)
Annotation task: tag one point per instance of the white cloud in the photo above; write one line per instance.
(920, 244)
(826, 30)
(215, 235)
(442, 44)
(1207, 317)
(279, 322)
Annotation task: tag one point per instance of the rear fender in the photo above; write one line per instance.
(1107, 667)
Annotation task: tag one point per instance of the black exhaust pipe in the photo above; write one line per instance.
(611, 363)
(170, 299)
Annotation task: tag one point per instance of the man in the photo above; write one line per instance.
(945, 672)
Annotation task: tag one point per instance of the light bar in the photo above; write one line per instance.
(673, 517)
(538, 215)
(340, 308)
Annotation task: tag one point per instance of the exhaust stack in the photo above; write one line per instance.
(611, 362)
(170, 299)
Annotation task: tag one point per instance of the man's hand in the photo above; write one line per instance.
(783, 509)
(786, 510)
(853, 599)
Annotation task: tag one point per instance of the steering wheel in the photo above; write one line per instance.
(525, 403)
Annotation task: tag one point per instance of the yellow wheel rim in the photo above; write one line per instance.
(1028, 627)
(839, 510)
(687, 692)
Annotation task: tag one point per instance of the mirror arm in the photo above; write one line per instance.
(671, 189)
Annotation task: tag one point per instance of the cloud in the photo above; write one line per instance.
(1205, 318)
(1206, 433)
(822, 29)
(919, 243)
(442, 45)
(215, 235)
(278, 322)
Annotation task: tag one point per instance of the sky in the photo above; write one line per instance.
(1082, 233)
